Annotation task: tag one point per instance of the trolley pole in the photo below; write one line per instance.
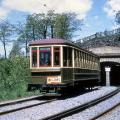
(107, 70)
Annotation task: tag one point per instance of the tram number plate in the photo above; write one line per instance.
(53, 79)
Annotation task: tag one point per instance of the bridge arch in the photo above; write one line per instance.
(114, 73)
(109, 56)
(110, 59)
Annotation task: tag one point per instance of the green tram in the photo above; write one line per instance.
(57, 63)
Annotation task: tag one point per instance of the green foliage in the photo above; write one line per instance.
(62, 27)
(15, 50)
(117, 18)
(66, 24)
(51, 25)
(14, 76)
(106, 38)
(36, 26)
(5, 33)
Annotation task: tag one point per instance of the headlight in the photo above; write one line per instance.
(53, 79)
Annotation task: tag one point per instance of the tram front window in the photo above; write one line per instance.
(45, 56)
(34, 57)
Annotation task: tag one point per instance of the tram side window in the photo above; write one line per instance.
(70, 57)
(84, 64)
(85, 60)
(34, 57)
(45, 56)
(56, 56)
(67, 56)
(64, 56)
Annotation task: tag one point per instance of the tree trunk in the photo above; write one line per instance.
(45, 32)
(33, 34)
(4, 45)
(5, 50)
(52, 34)
(26, 47)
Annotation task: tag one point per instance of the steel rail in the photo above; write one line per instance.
(25, 107)
(80, 108)
(105, 112)
(20, 100)
(39, 97)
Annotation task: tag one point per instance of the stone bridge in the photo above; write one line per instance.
(109, 57)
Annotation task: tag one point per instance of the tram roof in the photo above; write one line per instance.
(51, 42)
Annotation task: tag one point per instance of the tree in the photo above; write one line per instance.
(66, 25)
(51, 16)
(24, 36)
(14, 76)
(37, 26)
(30, 27)
(4, 72)
(19, 75)
(5, 33)
(15, 50)
(51, 25)
(117, 18)
(62, 27)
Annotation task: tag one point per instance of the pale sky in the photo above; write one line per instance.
(98, 15)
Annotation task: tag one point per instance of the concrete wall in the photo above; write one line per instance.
(107, 53)
(105, 50)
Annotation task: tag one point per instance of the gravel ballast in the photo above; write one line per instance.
(18, 105)
(112, 115)
(96, 110)
(48, 109)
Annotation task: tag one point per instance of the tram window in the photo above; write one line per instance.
(70, 57)
(91, 62)
(45, 56)
(64, 56)
(75, 58)
(84, 59)
(56, 56)
(67, 56)
(80, 59)
(88, 61)
(34, 57)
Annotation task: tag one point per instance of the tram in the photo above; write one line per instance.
(57, 63)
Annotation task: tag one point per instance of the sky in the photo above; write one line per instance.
(97, 15)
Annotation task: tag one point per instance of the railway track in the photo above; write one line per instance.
(105, 112)
(15, 102)
(80, 108)
(19, 101)
(42, 98)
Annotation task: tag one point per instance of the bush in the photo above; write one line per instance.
(14, 76)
